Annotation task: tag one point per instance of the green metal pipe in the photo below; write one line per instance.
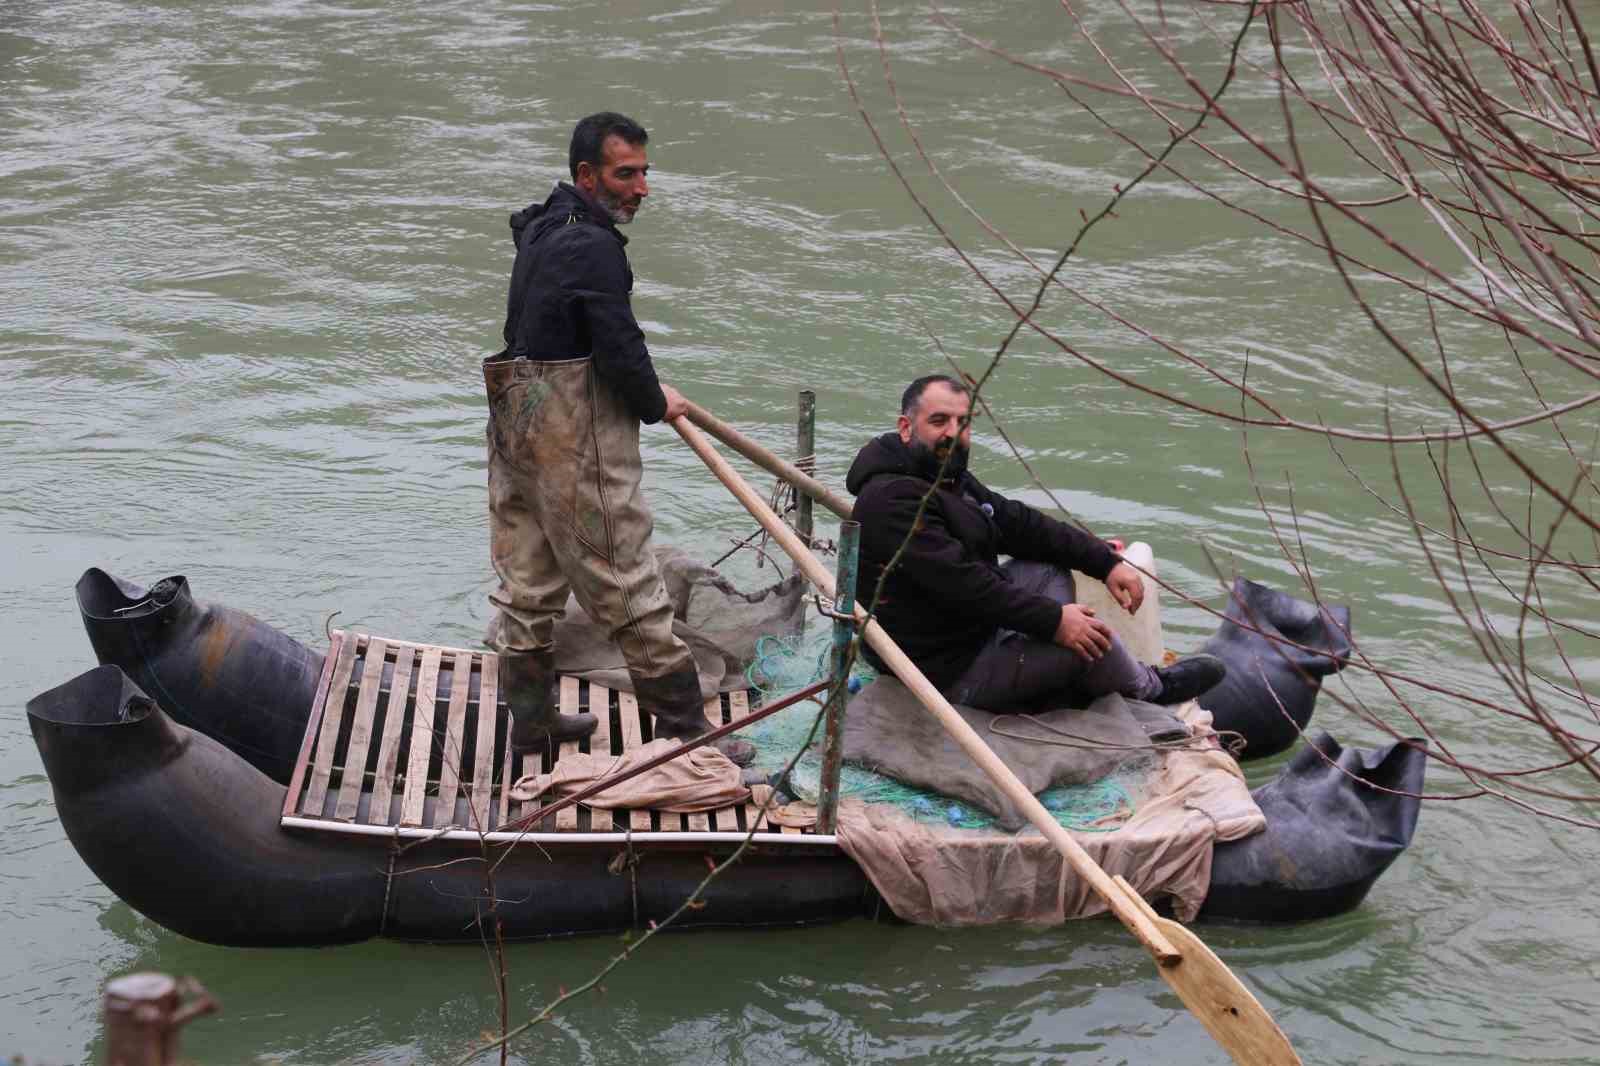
(805, 459)
(844, 606)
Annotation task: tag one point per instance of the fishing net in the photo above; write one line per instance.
(786, 664)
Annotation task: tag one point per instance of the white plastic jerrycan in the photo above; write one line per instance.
(1140, 632)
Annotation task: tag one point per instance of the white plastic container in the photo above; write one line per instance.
(1141, 632)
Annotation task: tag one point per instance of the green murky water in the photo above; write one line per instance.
(251, 256)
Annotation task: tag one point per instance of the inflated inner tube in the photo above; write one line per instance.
(220, 670)
(1268, 680)
(1329, 833)
(187, 833)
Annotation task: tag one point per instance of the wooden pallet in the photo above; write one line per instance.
(376, 758)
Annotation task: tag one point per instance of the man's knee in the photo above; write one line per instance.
(1044, 579)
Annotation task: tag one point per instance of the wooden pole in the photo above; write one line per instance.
(143, 1014)
(805, 459)
(1233, 1017)
(763, 458)
(844, 608)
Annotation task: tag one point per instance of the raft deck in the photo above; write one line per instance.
(377, 760)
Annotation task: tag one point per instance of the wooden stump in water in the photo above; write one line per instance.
(143, 1014)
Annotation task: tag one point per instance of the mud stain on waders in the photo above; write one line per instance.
(593, 523)
(538, 391)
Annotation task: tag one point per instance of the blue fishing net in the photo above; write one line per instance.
(786, 664)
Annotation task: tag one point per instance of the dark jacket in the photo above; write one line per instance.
(569, 297)
(948, 595)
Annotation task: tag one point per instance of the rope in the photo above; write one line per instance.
(388, 881)
(628, 860)
(782, 500)
(1087, 743)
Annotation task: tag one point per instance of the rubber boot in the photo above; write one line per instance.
(680, 714)
(1188, 678)
(529, 682)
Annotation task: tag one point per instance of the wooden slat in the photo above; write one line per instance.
(328, 737)
(752, 811)
(355, 759)
(421, 738)
(600, 820)
(508, 777)
(752, 815)
(739, 709)
(394, 716)
(632, 737)
(699, 823)
(313, 722)
(529, 763)
(483, 762)
(723, 819)
(600, 707)
(567, 817)
(444, 810)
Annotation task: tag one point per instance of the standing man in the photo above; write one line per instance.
(999, 638)
(566, 398)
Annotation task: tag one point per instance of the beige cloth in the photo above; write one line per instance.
(796, 815)
(939, 875)
(566, 513)
(702, 780)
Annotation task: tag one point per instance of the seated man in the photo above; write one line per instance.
(999, 638)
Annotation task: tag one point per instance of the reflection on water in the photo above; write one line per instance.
(251, 258)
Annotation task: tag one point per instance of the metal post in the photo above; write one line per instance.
(806, 445)
(844, 603)
(143, 1013)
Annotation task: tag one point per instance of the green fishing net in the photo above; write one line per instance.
(783, 665)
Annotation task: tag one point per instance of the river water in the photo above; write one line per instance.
(252, 255)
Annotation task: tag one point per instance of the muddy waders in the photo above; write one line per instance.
(566, 514)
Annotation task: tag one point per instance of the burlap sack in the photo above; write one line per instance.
(889, 732)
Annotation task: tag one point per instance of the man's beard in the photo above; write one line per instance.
(930, 459)
(613, 206)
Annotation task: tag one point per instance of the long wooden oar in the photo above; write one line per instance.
(1207, 987)
(763, 458)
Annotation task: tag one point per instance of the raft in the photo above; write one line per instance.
(238, 788)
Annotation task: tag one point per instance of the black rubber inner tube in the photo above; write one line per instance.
(188, 834)
(1328, 838)
(1271, 687)
(219, 670)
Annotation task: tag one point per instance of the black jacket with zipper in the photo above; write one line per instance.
(569, 297)
(947, 595)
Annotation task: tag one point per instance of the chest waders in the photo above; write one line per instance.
(566, 513)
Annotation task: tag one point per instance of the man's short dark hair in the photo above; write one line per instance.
(589, 137)
(913, 394)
